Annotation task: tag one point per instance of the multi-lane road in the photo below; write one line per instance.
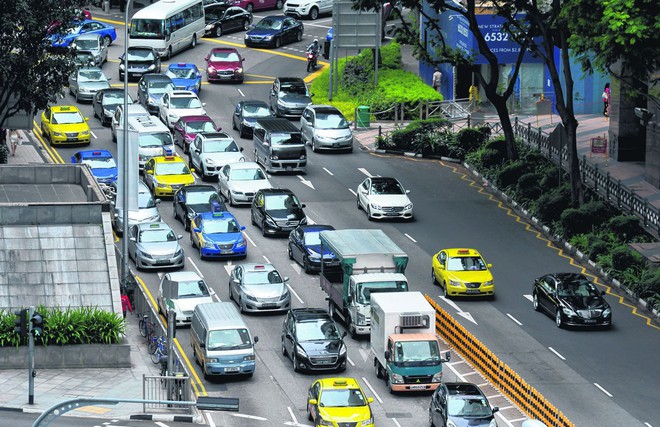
(597, 378)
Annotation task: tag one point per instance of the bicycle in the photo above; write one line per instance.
(160, 350)
(147, 328)
(157, 342)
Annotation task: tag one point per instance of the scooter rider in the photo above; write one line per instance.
(314, 47)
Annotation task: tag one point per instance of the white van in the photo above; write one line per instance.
(221, 341)
(153, 137)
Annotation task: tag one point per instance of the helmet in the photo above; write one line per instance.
(316, 41)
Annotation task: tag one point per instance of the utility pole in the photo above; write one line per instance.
(124, 171)
(31, 372)
(171, 326)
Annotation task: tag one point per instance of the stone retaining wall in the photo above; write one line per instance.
(68, 356)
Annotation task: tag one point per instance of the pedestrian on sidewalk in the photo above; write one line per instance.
(606, 100)
(14, 140)
(126, 304)
(437, 79)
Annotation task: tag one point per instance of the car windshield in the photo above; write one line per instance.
(224, 56)
(386, 187)
(281, 201)
(466, 263)
(145, 201)
(250, 110)
(199, 197)
(228, 225)
(220, 146)
(114, 98)
(229, 339)
(146, 28)
(579, 288)
(139, 55)
(368, 288)
(317, 330)
(330, 121)
(295, 88)
(151, 140)
(101, 163)
(67, 118)
(213, 14)
(192, 289)
(312, 238)
(186, 102)
(159, 86)
(262, 277)
(175, 168)
(87, 44)
(157, 235)
(416, 353)
(180, 73)
(468, 407)
(269, 24)
(197, 127)
(91, 76)
(339, 398)
(246, 175)
(286, 139)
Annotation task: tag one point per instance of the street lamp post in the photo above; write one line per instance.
(124, 171)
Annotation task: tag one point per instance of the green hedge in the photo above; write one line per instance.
(82, 325)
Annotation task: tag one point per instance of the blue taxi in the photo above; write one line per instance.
(218, 235)
(185, 76)
(101, 162)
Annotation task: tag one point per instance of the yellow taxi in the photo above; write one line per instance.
(462, 272)
(166, 174)
(65, 125)
(339, 402)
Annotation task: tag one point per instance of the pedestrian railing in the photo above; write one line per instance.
(166, 388)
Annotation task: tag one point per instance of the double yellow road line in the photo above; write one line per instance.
(52, 152)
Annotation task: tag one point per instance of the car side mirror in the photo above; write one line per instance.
(370, 400)
(303, 205)
(197, 230)
(179, 237)
(313, 402)
(286, 279)
(387, 355)
(344, 334)
(256, 340)
(86, 119)
(446, 356)
(202, 345)
(489, 265)
(407, 191)
(109, 78)
(350, 299)
(132, 239)
(311, 95)
(242, 227)
(495, 409)
(157, 201)
(603, 292)
(211, 291)
(192, 170)
(350, 124)
(240, 149)
(203, 104)
(219, 128)
(206, 58)
(242, 59)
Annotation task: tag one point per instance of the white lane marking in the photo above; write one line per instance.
(293, 416)
(648, 425)
(267, 260)
(459, 311)
(289, 423)
(508, 423)
(470, 373)
(329, 173)
(514, 319)
(517, 420)
(396, 422)
(294, 293)
(556, 353)
(482, 384)
(350, 361)
(160, 274)
(352, 191)
(296, 267)
(493, 396)
(607, 393)
(190, 260)
(455, 363)
(507, 407)
(251, 417)
(250, 240)
(529, 297)
(93, 134)
(366, 172)
(310, 221)
(408, 236)
(228, 267)
(241, 92)
(161, 424)
(306, 182)
(364, 380)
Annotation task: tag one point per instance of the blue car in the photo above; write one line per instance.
(107, 32)
(218, 235)
(185, 76)
(305, 248)
(101, 162)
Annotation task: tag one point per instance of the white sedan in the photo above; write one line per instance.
(240, 181)
(179, 103)
(383, 197)
(210, 151)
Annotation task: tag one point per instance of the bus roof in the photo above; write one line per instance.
(163, 8)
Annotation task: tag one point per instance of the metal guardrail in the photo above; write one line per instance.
(499, 374)
(170, 388)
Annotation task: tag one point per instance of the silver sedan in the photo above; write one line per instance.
(259, 288)
(155, 246)
(85, 82)
(239, 182)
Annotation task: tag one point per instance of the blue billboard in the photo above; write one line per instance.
(499, 41)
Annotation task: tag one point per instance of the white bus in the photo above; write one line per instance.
(168, 26)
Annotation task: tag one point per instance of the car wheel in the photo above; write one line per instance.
(249, 7)
(309, 415)
(535, 302)
(77, 97)
(359, 206)
(190, 163)
(299, 36)
(279, 4)
(559, 320)
(187, 224)
(434, 280)
(230, 198)
(242, 132)
(283, 348)
(233, 124)
(431, 419)
(218, 31)
(263, 228)
(96, 116)
(351, 328)
(231, 294)
(278, 42)
(379, 373)
(176, 214)
(313, 13)
(444, 291)
(389, 383)
(369, 217)
(193, 42)
(246, 25)
(107, 40)
(306, 266)
(294, 361)
(168, 55)
(290, 252)
(252, 218)
(192, 241)
(314, 147)
(331, 309)
(240, 305)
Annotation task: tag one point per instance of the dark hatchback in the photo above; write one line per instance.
(105, 103)
(195, 199)
(460, 405)
(151, 88)
(246, 114)
(274, 31)
(305, 248)
(277, 211)
(141, 60)
(311, 339)
(572, 300)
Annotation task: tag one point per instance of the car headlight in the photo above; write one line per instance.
(488, 283)
(153, 218)
(162, 185)
(57, 134)
(396, 379)
(241, 244)
(284, 295)
(314, 255)
(211, 360)
(375, 206)
(208, 27)
(303, 156)
(151, 101)
(249, 358)
(450, 423)
(250, 297)
(242, 159)
(301, 352)
(567, 311)
(239, 71)
(268, 37)
(209, 161)
(246, 123)
(323, 422)
(607, 312)
(281, 103)
(145, 255)
(271, 222)
(492, 423)
(209, 245)
(151, 67)
(361, 319)
(85, 132)
(303, 221)
(173, 115)
(455, 283)
(237, 193)
(107, 112)
(84, 90)
(274, 157)
(408, 206)
(179, 252)
(367, 422)
(437, 377)
(342, 350)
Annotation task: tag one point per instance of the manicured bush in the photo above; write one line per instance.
(491, 158)
(597, 248)
(550, 205)
(509, 175)
(625, 227)
(355, 78)
(549, 177)
(585, 218)
(528, 187)
(623, 258)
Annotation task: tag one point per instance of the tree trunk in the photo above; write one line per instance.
(507, 127)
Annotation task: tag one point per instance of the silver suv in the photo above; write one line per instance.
(323, 126)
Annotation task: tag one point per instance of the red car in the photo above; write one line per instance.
(187, 127)
(224, 64)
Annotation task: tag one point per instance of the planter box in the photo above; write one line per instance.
(68, 356)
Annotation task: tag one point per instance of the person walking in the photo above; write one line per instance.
(606, 100)
(437, 79)
(126, 304)
(14, 140)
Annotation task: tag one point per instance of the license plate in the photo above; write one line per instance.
(392, 214)
(269, 305)
(472, 291)
(72, 139)
(289, 168)
(226, 251)
(418, 387)
(590, 320)
(233, 369)
(162, 261)
(335, 144)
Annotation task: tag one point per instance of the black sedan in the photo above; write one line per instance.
(105, 103)
(572, 300)
(312, 340)
(222, 18)
(246, 114)
(195, 199)
(274, 31)
(151, 88)
(460, 405)
(141, 60)
(305, 248)
(277, 211)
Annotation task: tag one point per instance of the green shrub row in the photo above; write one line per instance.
(82, 325)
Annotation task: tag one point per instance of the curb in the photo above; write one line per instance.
(196, 419)
(412, 154)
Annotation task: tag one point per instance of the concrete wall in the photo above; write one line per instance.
(68, 356)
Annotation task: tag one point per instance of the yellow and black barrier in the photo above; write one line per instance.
(500, 375)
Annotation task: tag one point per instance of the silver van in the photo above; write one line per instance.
(221, 341)
(147, 210)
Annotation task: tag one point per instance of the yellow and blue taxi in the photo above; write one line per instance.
(339, 402)
(65, 125)
(217, 234)
(165, 174)
(462, 272)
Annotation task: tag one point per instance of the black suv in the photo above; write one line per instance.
(289, 97)
(141, 60)
(277, 211)
(312, 340)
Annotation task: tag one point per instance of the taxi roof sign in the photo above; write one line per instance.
(154, 225)
(167, 152)
(339, 383)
